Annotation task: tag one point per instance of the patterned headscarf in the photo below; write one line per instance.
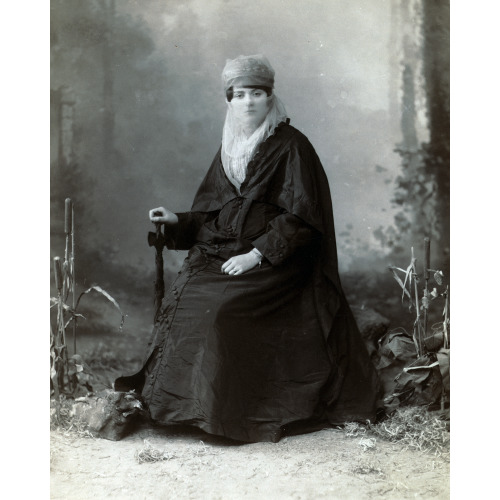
(248, 70)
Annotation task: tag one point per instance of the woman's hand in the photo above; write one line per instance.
(240, 264)
(163, 216)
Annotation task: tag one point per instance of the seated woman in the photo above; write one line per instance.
(255, 337)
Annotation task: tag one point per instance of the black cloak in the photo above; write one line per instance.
(273, 350)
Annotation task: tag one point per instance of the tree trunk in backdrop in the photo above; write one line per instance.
(436, 32)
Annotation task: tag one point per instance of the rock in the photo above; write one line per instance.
(396, 351)
(109, 414)
(372, 325)
(419, 384)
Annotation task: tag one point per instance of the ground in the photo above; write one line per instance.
(327, 464)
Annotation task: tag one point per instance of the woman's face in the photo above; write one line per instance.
(250, 106)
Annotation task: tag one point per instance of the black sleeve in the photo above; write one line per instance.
(182, 236)
(285, 234)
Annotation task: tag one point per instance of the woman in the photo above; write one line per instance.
(255, 337)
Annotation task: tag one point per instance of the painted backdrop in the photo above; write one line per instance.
(137, 111)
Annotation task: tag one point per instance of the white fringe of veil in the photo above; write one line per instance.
(237, 149)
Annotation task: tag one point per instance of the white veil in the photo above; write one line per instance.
(237, 149)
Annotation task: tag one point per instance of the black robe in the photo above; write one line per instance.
(276, 348)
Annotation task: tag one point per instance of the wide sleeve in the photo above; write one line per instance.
(183, 235)
(285, 234)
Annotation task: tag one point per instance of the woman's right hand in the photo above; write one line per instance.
(162, 216)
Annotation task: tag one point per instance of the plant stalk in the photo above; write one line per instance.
(67, 231)
(427, 259)
(73, 275)
(55, 383)
(445, 322)
(417, 327)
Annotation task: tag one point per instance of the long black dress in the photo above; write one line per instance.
(249, 356)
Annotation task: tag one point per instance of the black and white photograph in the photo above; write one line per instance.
(250, 293)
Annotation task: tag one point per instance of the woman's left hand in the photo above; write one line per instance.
(240, 264)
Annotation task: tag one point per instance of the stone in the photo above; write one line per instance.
(109, 414)
(372, 325)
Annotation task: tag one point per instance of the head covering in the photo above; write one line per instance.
(238, 149)
(248, 70)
